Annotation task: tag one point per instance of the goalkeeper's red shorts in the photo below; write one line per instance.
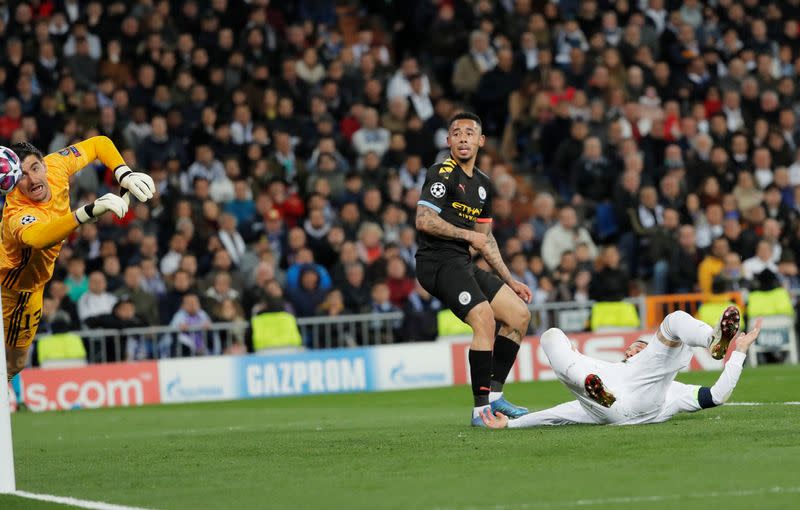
(21, 314)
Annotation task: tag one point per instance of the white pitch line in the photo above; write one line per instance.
(626, 500)
(762, 404)
(80, 503)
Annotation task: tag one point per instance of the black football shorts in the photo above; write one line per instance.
(459, 285)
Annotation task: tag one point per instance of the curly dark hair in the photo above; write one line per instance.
(467, 116)
(25, 149)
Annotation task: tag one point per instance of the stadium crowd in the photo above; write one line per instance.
(635, 145)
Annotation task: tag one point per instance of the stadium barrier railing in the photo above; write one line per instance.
(659, 306)
(355, 330)
(571, 316)
(156, 342)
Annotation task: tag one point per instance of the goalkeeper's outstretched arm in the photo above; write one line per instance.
(139, 184)
(43, 234)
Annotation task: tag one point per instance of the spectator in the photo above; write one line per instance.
(56, 290)
(731, 277)
(159, 146)
(151, 278)
(369, 242)
(309, 69)
(469, 68)
(11, 120)
(399, 283)
(242, 207)
(242, 125)
(746, 193)
(419, 98)
(420, 316)
(284, 164)
(332, 306)
(145, 303)
(761, 261)
(709, 226)
(232, 340)
(775, 208)
(231, 239)
(592, 176)
(193, 323)
(205, 166)
(170, 302)
(371, 137)
(412, 173)
(494, 87)
(309, 294)
(82, 65)
(76, 280)
(400, 85)
(564, 237)
(355, 290)
(684, 262)
(96, 300)
(122, 316)
(544, 215)
(380, 303)
(177, 249)
(112, 271)
(771, 232)
(519, 270)
(712, 264)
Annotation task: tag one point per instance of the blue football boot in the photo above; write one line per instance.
(504, 406)
(478, 422)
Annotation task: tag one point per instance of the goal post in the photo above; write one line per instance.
(7, 481)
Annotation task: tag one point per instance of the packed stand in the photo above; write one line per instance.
(635, 146)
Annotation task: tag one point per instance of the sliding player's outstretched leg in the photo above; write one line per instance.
(725, 332)
(581, 374)
(514, 315)
(681, 327)
(597, 391)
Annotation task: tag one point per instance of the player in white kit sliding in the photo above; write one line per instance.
(641, 388)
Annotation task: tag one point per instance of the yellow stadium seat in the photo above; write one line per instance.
(770, 302)
(614, 315)
(450, 325)
(276, 329)
(61, 350)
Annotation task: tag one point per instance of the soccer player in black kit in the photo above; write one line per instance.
(453, 214)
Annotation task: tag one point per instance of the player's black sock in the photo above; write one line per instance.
(503, 356)
(480, 368)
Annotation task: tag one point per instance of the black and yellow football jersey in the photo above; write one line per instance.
(460, 200)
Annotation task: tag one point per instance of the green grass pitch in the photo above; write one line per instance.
(413, 449)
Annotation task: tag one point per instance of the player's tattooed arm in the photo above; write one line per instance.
(491, 252)
(430, 222)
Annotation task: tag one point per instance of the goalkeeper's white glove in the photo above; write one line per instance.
(108, 202)
(139, 184)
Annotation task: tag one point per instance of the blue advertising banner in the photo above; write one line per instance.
(307, 373)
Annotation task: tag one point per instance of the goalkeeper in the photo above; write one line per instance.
(36, 220)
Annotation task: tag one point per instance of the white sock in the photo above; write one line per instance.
(476, 411)
(683, 327)
(495, 395)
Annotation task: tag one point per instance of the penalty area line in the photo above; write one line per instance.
(750, 404)
(80, 503)
(633, 500)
